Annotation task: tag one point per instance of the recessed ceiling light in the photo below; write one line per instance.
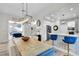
(71, 9)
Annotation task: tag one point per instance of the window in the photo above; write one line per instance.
(14, 28)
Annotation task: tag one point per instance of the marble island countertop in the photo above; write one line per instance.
(60, 34)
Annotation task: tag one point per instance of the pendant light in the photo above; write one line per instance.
(25, 18)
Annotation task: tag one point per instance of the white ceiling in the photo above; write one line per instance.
(13, 9)
(35, 9)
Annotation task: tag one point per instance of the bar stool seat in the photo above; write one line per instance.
(53, 37)
(70, 40)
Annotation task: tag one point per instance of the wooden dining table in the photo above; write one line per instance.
(31, 47)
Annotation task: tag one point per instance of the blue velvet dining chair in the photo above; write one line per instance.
(16, 35)
(69, 40)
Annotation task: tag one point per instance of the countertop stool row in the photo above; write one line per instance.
(67, 39)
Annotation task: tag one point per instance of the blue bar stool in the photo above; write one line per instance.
(69, 40)
(53, 37)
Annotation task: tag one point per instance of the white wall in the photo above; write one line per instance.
(3, 28)
(43, 29)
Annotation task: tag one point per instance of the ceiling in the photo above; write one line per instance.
(36, 9)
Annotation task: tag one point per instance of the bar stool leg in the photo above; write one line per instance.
(67, 49)
(52, 42)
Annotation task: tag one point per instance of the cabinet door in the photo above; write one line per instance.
(48, 27)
